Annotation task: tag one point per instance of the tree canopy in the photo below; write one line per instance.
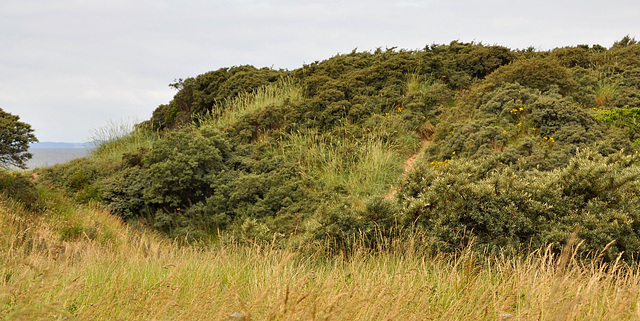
(15, 137)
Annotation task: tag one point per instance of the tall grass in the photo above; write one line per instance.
(417, 84)
(231, 110)
(126, 273)
(606, 92)
(119, 137)
(361, 167)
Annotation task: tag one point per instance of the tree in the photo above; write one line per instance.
(15, 137)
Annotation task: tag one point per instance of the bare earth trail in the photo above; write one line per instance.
(409, 164)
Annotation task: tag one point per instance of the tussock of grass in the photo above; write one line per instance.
(361, 167)
(128, 273)
(122, 137)
(231, 110)
(416, 84)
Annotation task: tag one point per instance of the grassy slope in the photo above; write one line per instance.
(117, 272)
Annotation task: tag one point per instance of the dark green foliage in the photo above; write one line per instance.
(541, 73)
(344, 224)
(194, 181)
(179, 167)
(580, 56)
(196, 96)
(15, 137)
(521, 126)
(503, 208)
(78, 177)
(625, 42)
(123, 192)
(479, 61)
(19, 187)
(626, 91)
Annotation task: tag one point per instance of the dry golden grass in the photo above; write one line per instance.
(110, 271)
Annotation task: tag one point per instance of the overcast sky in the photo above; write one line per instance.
(70, 66)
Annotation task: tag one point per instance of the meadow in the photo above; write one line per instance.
(114, 271)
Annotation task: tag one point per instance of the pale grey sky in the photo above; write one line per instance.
(70, 66)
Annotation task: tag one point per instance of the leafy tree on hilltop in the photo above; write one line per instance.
(15, 137)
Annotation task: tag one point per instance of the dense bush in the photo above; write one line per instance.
(78, 177)
(194, 181)
(505, 209)
(524, 127)
(541, 73)
(19, 187)
(196, 96)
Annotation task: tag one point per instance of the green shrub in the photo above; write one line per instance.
(536, 72)
(523, 127)
(19, 187)
(501, 208)
(78, 177)
(193, 182)
(197, 96)
(123, 192)
(479, 61)
(179, 167)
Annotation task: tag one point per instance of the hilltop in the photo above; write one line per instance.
(510, 149)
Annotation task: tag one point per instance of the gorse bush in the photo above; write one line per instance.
(541, 73)
(197, 96)
(194, 180)
(19, 187)
(79, 177)
(503, 208)
(524, 127)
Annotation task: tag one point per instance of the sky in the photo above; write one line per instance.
(71, 67)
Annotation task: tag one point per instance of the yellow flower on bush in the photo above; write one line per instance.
(436, 164)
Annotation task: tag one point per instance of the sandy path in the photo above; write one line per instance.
(409, 164)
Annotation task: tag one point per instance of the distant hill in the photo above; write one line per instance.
(61, 145)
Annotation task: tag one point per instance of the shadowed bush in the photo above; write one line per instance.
(19, 187)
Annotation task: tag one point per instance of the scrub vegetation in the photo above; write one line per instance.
(453, 182)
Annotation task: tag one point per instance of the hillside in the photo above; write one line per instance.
(511, 149)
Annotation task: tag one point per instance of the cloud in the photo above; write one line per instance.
(71, 65)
